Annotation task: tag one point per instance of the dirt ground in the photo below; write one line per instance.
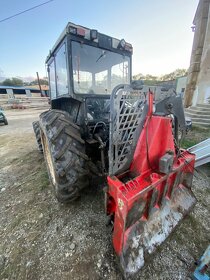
(42, 239)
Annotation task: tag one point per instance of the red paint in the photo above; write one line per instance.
(155, 140)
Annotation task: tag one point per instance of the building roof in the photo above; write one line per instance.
(43, 87)
(181, 77)
(5, 87)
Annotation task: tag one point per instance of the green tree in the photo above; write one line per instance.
(12, 82)
(42, 82)
(150, 77)
(139, 76)
(174, 75)
(147, 79)
(153, 80)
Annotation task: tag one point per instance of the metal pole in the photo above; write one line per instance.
(39, 83)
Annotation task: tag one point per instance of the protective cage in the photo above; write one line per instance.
(128, 108)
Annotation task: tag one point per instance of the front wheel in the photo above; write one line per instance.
(64, 152)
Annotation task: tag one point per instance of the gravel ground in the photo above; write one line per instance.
(42, 239)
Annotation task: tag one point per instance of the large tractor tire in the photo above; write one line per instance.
(64, 152)
(36, 128)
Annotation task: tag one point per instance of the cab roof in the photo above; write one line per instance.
(80, 31)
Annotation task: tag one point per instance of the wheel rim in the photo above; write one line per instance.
(48, 158)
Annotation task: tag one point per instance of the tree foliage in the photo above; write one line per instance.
(17, 82)
(174, 75)
(152, 80)
(43, 81)
(12, 82)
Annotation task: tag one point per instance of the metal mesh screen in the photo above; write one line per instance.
(127, 116)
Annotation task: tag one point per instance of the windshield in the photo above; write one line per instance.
(98, 71)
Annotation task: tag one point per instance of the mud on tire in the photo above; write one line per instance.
(64, 152)
(36, 128)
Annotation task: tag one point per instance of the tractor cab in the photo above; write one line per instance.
(84, 67)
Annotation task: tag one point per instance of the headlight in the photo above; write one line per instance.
(122, 44)
(93, 34)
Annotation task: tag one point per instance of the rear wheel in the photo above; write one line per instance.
(36, 128)
(64, 152)
(6, 121)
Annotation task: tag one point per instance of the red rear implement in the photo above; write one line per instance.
(152, 196)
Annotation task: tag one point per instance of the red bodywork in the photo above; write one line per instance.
(135, 194)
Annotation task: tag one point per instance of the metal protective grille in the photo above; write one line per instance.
(127, 116)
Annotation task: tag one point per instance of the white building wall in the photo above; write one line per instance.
(181, 85)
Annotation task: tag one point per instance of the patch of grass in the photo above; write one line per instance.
(44, 180)
(187, 143)
(193, 221)
(178, 237)
(15, 160)
(29, 157)
(199, 129)
(195, 136)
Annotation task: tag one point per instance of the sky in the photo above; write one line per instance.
(159, 30)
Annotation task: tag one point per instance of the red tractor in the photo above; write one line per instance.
(103, 125)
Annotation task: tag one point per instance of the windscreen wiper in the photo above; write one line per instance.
(102, 55)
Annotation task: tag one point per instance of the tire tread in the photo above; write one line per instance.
(67, 150)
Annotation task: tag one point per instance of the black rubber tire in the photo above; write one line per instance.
(64, 152)
(36, 128)
(6, 121)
